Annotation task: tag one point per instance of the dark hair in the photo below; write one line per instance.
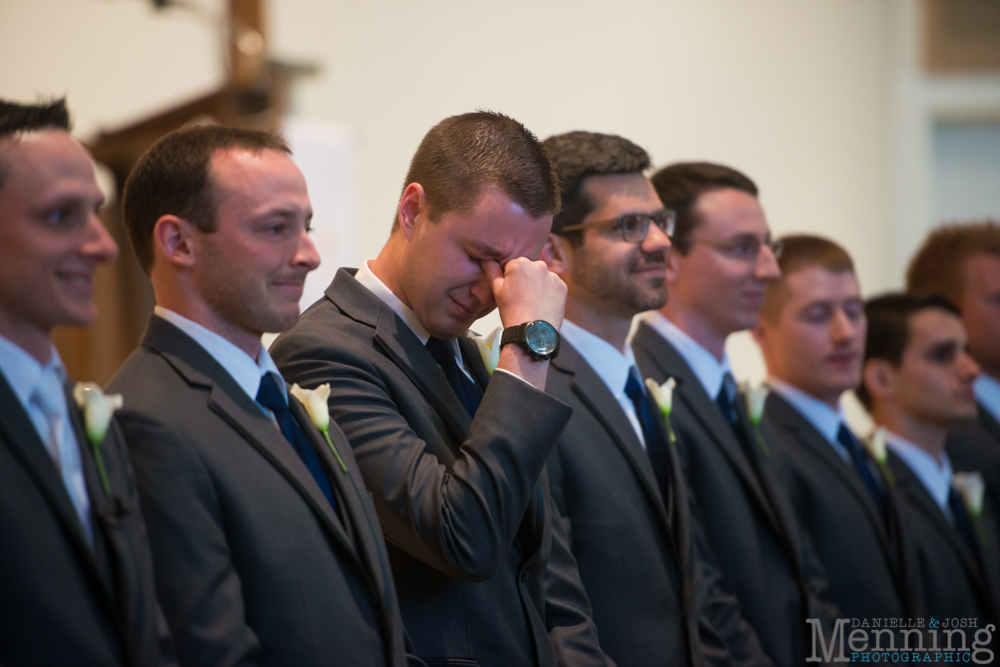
(16, 118)
(174, 178)
(802, 251)
(577, 155)
(888, 335)
(679, 185)
(461, 154)
(939, 265)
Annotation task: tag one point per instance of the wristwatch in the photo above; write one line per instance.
(538, 338)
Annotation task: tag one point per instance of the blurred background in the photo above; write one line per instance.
(867, 121)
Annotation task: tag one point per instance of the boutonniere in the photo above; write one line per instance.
(489, 348)
(97, 408)
(876, 447)
(319, 412)
(971, 487)
(755, 398)
(663, 394)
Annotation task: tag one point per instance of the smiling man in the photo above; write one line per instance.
(722, 262)
(615, 474)
(455, 458)
(812, 334)
(917, 381)
(267, 550)
(76, 584)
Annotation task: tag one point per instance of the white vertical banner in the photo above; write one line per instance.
(327, 154)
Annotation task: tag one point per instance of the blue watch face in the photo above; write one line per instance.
(541, 337)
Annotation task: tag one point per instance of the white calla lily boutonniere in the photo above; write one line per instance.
(876, 447)
(97, 408)
(755, 398)
(319, 412)
(489, 348)
(663, 394)
(972, 488)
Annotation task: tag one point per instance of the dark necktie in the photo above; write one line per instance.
(270, 396)
(860, 459)
(466, 390)
(726, 401)
(963, 522)
(655, 449)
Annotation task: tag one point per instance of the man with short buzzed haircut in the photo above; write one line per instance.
(812, 335)
(615, 474)
(917, 381)
(455, 457)
(266, 547)
(722, 261)
(961, 262)
(76, 575)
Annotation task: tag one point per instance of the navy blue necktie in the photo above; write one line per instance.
(467, 391)
(963, 522)
(271, 397)
(860, 459)
(726, 401)
(657, 453)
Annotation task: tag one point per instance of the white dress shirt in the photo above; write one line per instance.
(611, 366)
(24, 375)
(824, 419)
(709, 370)
(987, 390)
(235, 361)
(934, 474)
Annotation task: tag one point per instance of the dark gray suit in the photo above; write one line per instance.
(740, 512)
(481, 574)
(253, 565)
(975, 446)
(859, 549)
(61, 602)
(637, 561)
(952, 582)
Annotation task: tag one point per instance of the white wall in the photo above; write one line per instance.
(791, 92)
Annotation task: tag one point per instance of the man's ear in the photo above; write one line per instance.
(557, 254)
(173, 241)
(412, 209)
(880, 379)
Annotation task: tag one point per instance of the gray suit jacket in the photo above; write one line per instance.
(253, 565)
(61, 602)
(481, 574)
(860, 550)
(952, 581)
(975, 446)
(646, 583)
(740, 511)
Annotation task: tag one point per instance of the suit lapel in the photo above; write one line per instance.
(602, 404)
(783, 414)
(19, 433)
(661, 354)
(922, 501)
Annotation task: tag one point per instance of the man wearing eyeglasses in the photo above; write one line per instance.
(614, 474)
(721, 264)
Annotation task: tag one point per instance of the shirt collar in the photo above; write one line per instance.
(23, 371)
(824, 419)
(709, 371)
(235, 361)
(386, 295)
(608, 362)
(934, 474)
(374, 285)
(987, 390)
